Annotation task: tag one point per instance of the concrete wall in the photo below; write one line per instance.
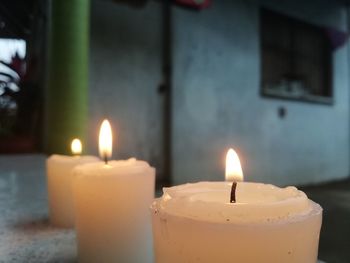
(125, 72)
(217, 102)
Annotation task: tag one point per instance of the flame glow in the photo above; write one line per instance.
(105, 140)
(233, 170)
(76, 147)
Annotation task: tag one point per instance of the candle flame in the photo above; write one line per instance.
(233, 170)
(76, 146)
(105, 140)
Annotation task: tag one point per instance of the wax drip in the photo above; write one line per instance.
(233, 193)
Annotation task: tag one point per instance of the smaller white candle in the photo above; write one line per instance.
(112, 200)
(59, 184)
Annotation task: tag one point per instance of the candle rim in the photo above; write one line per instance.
(71, 158)
(182, 206)
(114, 168)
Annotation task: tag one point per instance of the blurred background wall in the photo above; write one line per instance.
(125, 75)
(180, 86)
(217, 100)
(216, 93)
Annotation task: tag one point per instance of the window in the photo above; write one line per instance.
(296, 59)
(12, 68)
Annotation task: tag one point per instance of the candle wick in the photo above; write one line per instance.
(105, 159)
(233, 192)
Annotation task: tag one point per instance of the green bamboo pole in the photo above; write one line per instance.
(66, 103)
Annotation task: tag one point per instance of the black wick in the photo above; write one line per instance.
(233, 193)
(105, 158)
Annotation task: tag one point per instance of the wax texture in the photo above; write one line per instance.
(112, 211)
(193, 223)
(59, 185)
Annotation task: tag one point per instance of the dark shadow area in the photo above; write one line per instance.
(33, 225)
(335, 234)
(72, 260)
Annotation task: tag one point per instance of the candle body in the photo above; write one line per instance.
(112, 211)
(59, 185)
(194, 224)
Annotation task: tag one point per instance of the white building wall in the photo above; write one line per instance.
(217, 102)
(125, 73)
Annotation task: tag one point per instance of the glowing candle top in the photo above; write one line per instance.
(76, 147)
(233, 170)
(105, 140)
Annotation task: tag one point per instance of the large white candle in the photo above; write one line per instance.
(198, 223)
(59, 183)
(112, 209)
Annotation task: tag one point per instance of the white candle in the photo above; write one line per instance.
(112, 209)
(197, 223)
(59, 184)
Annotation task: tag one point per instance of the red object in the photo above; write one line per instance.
(17, 144)
(196, 4)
